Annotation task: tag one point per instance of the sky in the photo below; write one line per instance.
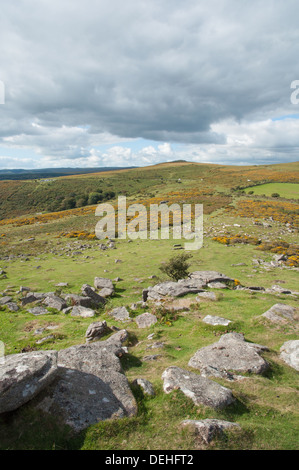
(135, 83)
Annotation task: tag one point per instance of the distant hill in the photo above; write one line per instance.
(20, 174)
(63, 189)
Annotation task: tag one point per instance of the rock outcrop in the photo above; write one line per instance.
(230, 354)
(289, 353)
(201, 390)
(23, 376)
(281, 313)
(90, 385)
(208, 429)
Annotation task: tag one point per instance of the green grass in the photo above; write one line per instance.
(285, 190)
(266, 407)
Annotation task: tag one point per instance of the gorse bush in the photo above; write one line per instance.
(177, 267)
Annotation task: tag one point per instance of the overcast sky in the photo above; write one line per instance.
(121, 83)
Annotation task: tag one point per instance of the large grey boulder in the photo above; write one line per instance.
(281, 313)
(201, 390)
(145, 320)
(230, 353)
(91, 385)
(23, 376)
(208, 429)
(289, 353)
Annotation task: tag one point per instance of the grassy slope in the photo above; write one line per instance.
(266, 407)
(286, 190)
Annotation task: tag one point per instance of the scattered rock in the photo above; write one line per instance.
(67, 310)
(230, 353)
(102, 282)
(151, 357)
(24, 289)
(208, 429)
(145, 320)
(30, 298)
(96, 330)
(146, 386)
(43, 340)
(179, 304)
(12, 306)
(79, 311)
(214, 320)
(120, 314)
(289, 353)
(201, 390)
(61, 284)
(195, 283)
(55, 302)
(38, 310)
(4, 300)
(88, 291)
(206, 277)
(23, 376)
(207, 296)
(281, 313)
(75, 299)
(217, 285)
(166, 289)
(156, 345)
(106, 292)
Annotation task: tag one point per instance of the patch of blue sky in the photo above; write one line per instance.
(287, 116)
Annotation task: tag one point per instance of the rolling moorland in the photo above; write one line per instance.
(251, 223)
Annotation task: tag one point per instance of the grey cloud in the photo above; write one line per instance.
(166, 71)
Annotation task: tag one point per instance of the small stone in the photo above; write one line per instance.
(146, 386)
(214, 320)
(38, 311)
(84, 312)
(46, 338)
